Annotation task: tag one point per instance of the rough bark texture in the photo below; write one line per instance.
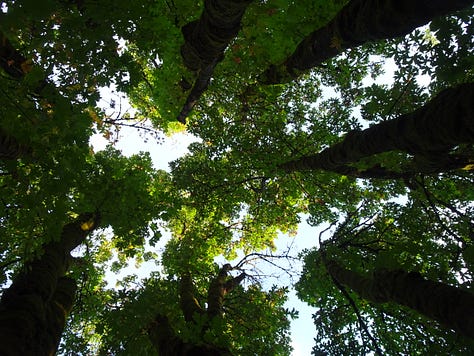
(57, 311)
(218, 288)
(450, 306)
(360, 21)
(200, 86)
(188, 303)
(207, 38)
(448, 163)
(167, 343)
(10, 59)
(205, 42)
(161, 333)
(34, 308)
(10, 148)
(428, 133)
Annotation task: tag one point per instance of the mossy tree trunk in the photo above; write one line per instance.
(450, 306)
(33, 310)
(161, 333)
(10, 148)
(219, 287)
(360, 21)
(167, 343)
(205, 42)
(11, 60)
(448, 163)
(427, 133)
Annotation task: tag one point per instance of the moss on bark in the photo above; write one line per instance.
(205, 42)
(450, 306)
(427, 133)
(34, 308)
(360, 21)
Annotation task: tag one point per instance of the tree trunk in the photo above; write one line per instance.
(216, 292)
(34, 308)
(207, 38)
(161, 333)
(428, 133)
(205, 42)
(10, 148)
(218, 288)
(10, 59)
(167, 343)
(360, 21)
(450, 306)
(448, 163)
(188, 303)
(200, 86)
(57, 312)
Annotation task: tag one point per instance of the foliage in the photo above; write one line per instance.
(412, 237)
(121, 328)
(228, 196)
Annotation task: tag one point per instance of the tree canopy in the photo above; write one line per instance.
(354, 117)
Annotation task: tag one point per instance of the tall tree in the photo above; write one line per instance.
(41, 281)
(169, 316)
(161, 332)
(452, 307)
(428, 133)
(228, 195)
(192, 304)
(33, 310)
(391, 241)
(205, 42)
(357, 23)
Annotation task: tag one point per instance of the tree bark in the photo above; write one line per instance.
(10, 59)
(218, 288)
(360, 21)
(167, 343)
(428, 133)
(10, 148)
(450, 306)
(207, 38)
(200, 86)
(161, 333)
(188, 303)
(216, 292)
(446, 164)
(34, 308)
(205, 42)
(57, 311)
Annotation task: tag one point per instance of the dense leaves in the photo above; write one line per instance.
(399, 238)
(367, 128)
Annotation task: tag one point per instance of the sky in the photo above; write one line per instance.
(130, 142)
(302, 329)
